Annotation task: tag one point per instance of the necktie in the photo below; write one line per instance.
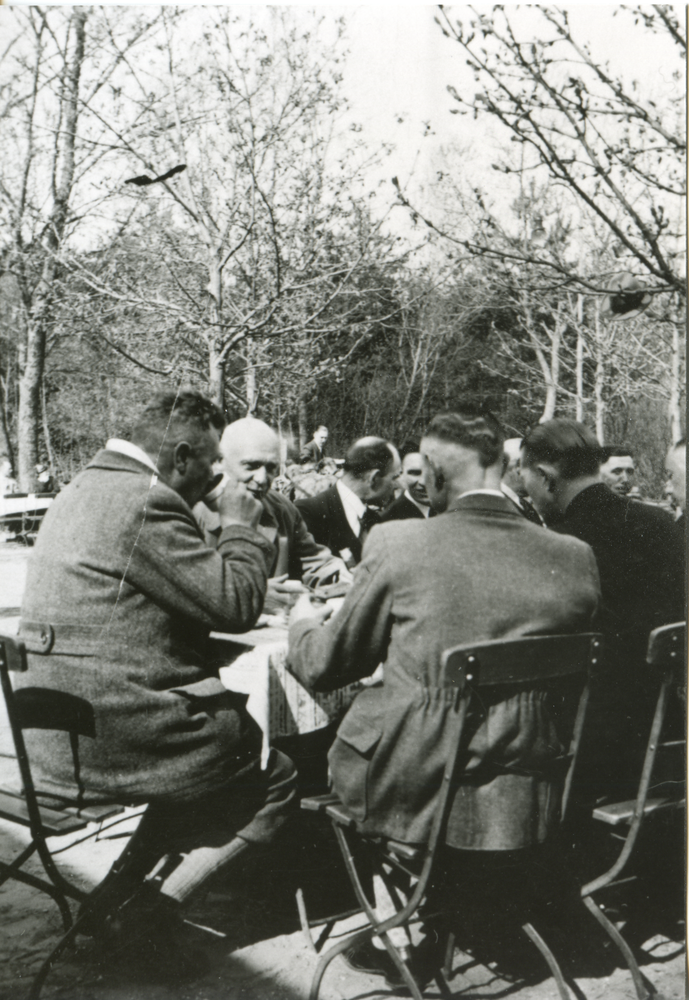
(530, 512)
(367, 520)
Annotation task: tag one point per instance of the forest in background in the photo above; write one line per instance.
(266, 273)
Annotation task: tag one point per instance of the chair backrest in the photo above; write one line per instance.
(523, 662)
(526, 660)
(666, 646)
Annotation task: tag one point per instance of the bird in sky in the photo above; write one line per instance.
(144, 179)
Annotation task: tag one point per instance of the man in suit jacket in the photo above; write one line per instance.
(314, 451)
(251, 455)
(341, 516)
(512, 484)
(121, 595)
(478, 572)
(413, 501)
(640, 560)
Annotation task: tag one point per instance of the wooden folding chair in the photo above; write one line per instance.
(39, 708)
(527, 662)
(666, 657)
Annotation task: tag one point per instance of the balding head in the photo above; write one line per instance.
(251, 454)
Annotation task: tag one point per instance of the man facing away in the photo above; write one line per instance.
(478, 572)
(413, 501)
(314, 451)
(342, 516)
(640, 558)
(121, 595)
(251, 455)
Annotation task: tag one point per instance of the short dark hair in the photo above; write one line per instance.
(188, 407)
(572, 446)
(375, 453)
(610, 450)
(475, 429)
(409, 448)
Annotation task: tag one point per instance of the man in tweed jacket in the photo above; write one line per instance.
(122, 593)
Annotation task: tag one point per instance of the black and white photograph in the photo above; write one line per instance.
(343, 556)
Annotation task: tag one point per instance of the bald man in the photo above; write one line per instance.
(250, 452)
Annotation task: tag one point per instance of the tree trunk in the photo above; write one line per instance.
(599, 382)
(674, 409)
(216, 379)
(303, 424)
(579, 411)
(29, 418)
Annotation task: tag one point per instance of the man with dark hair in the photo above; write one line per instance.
(478, 572)
(640, 561)
(413, 501)
(342, 516)
(314, 451)
(121, 595)
(617, 468)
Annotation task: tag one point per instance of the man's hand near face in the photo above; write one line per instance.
(238, 506)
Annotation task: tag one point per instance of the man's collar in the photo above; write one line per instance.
(350, 499)
(131, 451)
(490, 493)
(510, 494)
(425, 510)
(491, 500)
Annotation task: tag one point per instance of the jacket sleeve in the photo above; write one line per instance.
(316, 562)
(170, 562)
(354, 642)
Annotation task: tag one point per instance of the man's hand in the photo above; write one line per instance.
(238, 506)
(304, 609)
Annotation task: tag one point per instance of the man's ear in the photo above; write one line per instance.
(549, 474)
(181, 455)
(374, 479)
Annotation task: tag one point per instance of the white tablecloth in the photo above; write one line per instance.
(277, 701)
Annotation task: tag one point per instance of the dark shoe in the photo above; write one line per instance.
(375, 962)
(424, 963)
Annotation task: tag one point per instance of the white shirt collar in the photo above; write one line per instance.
(354, 507)
(426, 511)
(510, 494)
(131, 451)
(490, 493)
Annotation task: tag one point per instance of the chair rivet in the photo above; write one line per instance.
(594, 660)
(470, 677)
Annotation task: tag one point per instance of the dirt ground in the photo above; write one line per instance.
(263, 954)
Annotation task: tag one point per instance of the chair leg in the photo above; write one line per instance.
(449, 955)
(553, 963)
(642, 991)
(42, 974)
(48, 888)
(337, 949)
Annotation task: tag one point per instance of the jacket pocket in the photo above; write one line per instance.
(350, 758)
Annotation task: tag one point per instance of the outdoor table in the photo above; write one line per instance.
(255, 663)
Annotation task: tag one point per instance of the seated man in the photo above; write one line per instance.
(639, 553)
(340, 517)
(512, 484)
(413, 501)
(479, 572)
(250, 451)
(121, 595)
(314, 451)
(617, 468)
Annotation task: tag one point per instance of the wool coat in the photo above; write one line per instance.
(401, 509)
(121, 595)
(478, 572)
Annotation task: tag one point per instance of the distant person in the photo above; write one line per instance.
(512, 484)
(314, 451)
(342, 516)
(617, 468)
(413, 500)
(251, 455)
(640, 562)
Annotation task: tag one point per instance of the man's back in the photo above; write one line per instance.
(640, 557)
(478, 572)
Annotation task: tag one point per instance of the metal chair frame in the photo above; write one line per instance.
(13, 658)
(467, 668)
(666, 648)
